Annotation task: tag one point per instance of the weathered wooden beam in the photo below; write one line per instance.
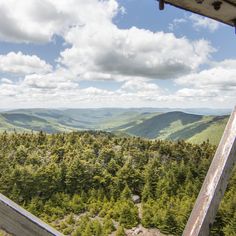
(223, 11)
(19, 222)
(215, 183)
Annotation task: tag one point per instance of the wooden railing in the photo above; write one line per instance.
(19, 222)
(214, 186)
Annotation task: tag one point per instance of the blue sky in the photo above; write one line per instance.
(126, 53)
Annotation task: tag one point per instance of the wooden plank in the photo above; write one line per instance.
(225, 14)
(19, 222)
(215, 183)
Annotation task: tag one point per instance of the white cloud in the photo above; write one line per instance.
(38, 20)
(198, 22)
(98, 47)
(139, 85)
(201, 22)
(219, 77)
(226, 64)
(18, 63)
(6, 81)
(133, 52)
(99, 50)
(55, 90)
(216, 85)
(196, 93)
(48, 82)
(7, 89)
(175, 23)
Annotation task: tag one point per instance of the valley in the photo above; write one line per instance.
(151, 123)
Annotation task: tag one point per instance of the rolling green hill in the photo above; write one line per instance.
(180, 125)
(163, 124)
(144, 122)
(52, 121)
(22, 122)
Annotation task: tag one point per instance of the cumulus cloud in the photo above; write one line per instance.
(50, 90)
(18, 63)
(113, 53)
(198, 23)
(216, 84)
(98, 50)
(38, 20)
(8, 90)
(53, 91)
(175, 23)
(219, 77)
(139, 85)
(48, 82)
(201, 22)
(196, 92)
(5, 81)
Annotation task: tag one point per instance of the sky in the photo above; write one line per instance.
(113, 53)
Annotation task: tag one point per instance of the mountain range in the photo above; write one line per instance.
(152, 123)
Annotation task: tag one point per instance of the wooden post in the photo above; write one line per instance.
(215, 183)
(19, 222)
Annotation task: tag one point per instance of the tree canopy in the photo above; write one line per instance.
(82, 182)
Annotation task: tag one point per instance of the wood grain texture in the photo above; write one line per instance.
(226, 14)
(215, 183)
(19, 222)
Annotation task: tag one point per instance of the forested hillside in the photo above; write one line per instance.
(84, 183)
(181, 126)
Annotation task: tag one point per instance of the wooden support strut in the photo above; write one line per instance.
(215, 183)
(161, 4)
(19, 222)
(234, 22)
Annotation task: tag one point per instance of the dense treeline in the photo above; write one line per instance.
(83, 183)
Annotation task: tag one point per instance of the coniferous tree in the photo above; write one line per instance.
(120, 231)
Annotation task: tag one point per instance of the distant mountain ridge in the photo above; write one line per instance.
(144, 122)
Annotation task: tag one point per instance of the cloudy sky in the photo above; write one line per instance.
(113, 53)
